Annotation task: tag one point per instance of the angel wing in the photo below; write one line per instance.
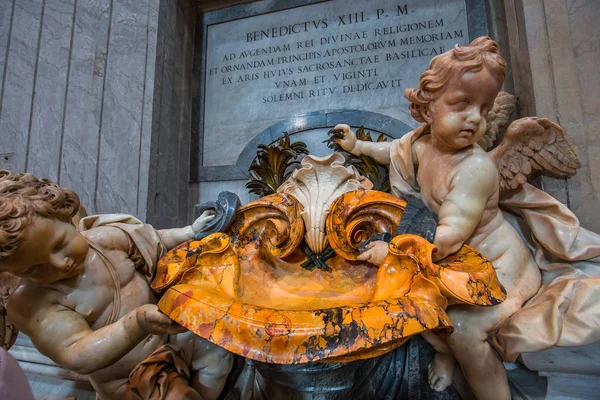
(498, 118)
(533, 144)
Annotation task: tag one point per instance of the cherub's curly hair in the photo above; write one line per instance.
(22, 197)
(481, 52)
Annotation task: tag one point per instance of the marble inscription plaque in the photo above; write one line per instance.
(334, 55)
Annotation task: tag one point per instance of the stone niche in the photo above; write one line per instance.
(265, 62)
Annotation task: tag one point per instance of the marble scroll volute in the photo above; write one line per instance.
(316, 185)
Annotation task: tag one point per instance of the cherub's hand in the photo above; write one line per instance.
(376, 253)
(153, 321)
(349, 140)
(202, 220)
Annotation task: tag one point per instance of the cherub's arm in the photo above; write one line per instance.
(462, 209)
(380, 151)
(65, 336)
(174, 237)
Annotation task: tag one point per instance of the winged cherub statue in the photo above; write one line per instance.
(443, 162)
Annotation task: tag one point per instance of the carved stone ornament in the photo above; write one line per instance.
(316, 185)
(245, 289)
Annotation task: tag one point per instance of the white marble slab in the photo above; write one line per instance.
(331, 55)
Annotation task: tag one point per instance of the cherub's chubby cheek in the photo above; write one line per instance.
(449, 125)
(80, 247)
(452, 122)
(481, 128)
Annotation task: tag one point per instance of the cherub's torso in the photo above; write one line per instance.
(494, 237)
(436, 172)
(92, 296)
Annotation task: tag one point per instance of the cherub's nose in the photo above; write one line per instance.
(58, 260)
(474, 116)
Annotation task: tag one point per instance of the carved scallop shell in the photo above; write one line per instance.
(318, 182)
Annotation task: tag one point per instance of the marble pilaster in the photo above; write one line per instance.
(120, 137)
(19, 79)
(43, 157)
(84, 100)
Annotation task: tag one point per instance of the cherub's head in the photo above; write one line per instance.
(457, 91)
(37, 240)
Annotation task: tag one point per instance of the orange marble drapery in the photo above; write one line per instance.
(246, 291)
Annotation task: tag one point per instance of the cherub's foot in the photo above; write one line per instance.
(441, 371)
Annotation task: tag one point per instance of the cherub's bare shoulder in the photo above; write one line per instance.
(479, 163)
(30, 303)
(108, 237)
(478, 168)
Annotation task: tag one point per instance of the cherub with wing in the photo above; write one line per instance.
(444, 163)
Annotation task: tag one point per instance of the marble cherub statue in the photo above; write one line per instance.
(442, 163)
(85, 301)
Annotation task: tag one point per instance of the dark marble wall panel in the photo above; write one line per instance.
(155, 121)
(84, 99)
(186, 116)
(45, 138)
(169, 187)
(19, 80)
(148, 108)
(165, 139)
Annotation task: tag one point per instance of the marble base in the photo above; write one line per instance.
(48, 381)
(53, 388)
(572, 372)
(572, 386)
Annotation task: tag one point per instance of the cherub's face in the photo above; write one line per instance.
(51, 250)
(457, 116)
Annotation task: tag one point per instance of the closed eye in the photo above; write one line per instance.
(462, 104)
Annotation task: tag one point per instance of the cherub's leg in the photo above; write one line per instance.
(482, 368)
(211, 377)
(210, 364)
(441, 369)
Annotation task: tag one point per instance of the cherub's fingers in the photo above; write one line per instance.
(202, 220)
(208, 213)
(342, 127)
(159, 318)
(366, 256)
(175, 329)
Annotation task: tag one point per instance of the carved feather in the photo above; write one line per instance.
(533, 144)
(498, 118)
